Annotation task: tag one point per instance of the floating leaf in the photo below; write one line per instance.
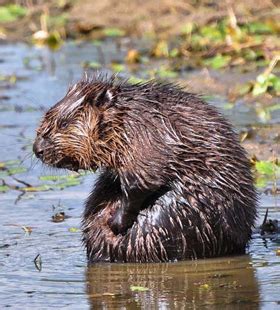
(40, 188)
(27, 229)
(73, 229)
(68, 183)
(58, 177)
(116, 67)
(97, 42)
(12, 162)
(91, 64)
(4, 188)
(17, 170)
(138, 288)
(135, 80)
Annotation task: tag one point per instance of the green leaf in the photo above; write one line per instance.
(135, 80)
(259, 89)
(16, 170)
(40, 188)
(91, 64)
(4, 188)
(261, 181)
(50, 177)
(174, 53)
(166, 73)
(58, 20)
(138, 288)
(161, 49)
(3, 173)
(97, 42)
(262, 79)
(57, 177)
(275, 83)
(244, 89)
(228, 106)
(116, 67)
(113, 32)
(12, 12)
(212, 32)
(73, 229)
(267, 168)
(260, 28)
(217, 62)
(68, 183)
(12, 162)
(187, 28)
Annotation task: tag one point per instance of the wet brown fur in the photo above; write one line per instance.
(174, 181)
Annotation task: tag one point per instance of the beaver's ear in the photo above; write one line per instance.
(104, 98)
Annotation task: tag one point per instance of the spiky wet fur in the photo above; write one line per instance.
(155, 137)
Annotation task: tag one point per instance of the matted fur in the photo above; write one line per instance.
(168, 148)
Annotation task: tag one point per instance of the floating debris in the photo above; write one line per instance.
(58, 217)
(38, 262)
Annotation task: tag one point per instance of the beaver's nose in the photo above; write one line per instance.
(39, 146)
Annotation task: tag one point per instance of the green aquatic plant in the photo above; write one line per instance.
(217, 62)
(266, 83)
(11, 12)
(266, 172)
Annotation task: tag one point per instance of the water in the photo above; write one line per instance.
(62, 279)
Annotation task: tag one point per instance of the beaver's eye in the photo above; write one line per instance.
(63, 124)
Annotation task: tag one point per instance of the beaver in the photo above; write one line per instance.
(174, 183)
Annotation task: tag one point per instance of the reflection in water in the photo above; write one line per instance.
(225, 283)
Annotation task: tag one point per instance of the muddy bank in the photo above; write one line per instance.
(154, 18)
(161, 18)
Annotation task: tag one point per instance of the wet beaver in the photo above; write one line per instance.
(174, 181)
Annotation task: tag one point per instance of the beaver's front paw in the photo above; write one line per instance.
(120, 222)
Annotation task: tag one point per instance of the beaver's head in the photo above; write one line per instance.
(81, 131)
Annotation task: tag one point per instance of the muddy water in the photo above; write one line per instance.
(59, 278)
